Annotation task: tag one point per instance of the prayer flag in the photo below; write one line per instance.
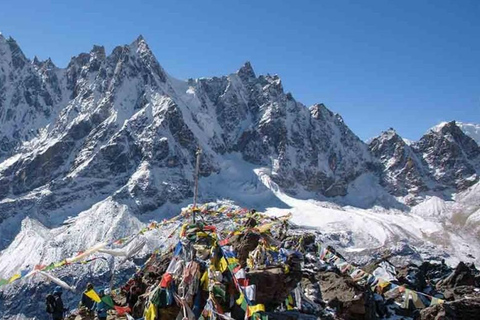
(93, 295)
(254, 309)
(108, 301)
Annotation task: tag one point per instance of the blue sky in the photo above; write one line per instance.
(380, 64)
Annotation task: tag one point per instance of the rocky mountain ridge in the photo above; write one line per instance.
(92, 151)
(444, 161)
(119, 125)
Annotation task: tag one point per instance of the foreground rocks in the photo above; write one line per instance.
(349, 299)
(464, 309)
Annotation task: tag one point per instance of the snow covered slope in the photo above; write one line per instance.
(471, 129)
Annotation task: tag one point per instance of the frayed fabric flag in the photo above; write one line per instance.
(57, 281)
(86, 253)
(436, 301)
(406, 299)
(417, 302)
(250, 292)
(116, 253)
(122, 310)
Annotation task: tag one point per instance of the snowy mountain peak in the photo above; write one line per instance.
(453, 127)
(449, 133)
(445, 127)
(444, 159)
(438, 127)
(140, 46)
(390, 134)
(12, 53)
(36, 61)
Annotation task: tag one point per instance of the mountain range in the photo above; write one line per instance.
(94, 150)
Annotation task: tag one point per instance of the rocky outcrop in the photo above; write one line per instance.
(462, 275)
(403, 170)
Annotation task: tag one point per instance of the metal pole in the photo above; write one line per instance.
(197, 170)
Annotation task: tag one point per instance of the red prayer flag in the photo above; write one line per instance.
(122, 310)
(166, 279)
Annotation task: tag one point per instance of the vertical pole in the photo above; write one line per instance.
(197, 169)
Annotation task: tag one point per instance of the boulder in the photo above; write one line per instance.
(464, 309)
(463, 275)
(351, 300)
(243, 244)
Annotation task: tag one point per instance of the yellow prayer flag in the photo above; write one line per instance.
(93, 295)
(240, 299)
(151, 313)
(265, 227)
(406, 299)
(222, 264)
(436, 301)
(383, 284)
(232, 260)
(204, 281)
(202, 234)
(14, 277)
(416, 300)
(254, 309)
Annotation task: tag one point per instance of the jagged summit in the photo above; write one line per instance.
(140, 45)
(139, 39)
(246, 71)
(439, 127)
(390, 133)
(445, 158)
(98, 51)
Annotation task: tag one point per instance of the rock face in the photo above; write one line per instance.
(403, 171)
(462, 275)
(443, 159)
(118, 125)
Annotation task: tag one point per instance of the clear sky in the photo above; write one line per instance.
(380, 64)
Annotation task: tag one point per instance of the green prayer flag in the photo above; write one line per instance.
(108, 301)
(3, 282)
(218, 292)
(51, 266)
(244, 305)
(232, 266)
